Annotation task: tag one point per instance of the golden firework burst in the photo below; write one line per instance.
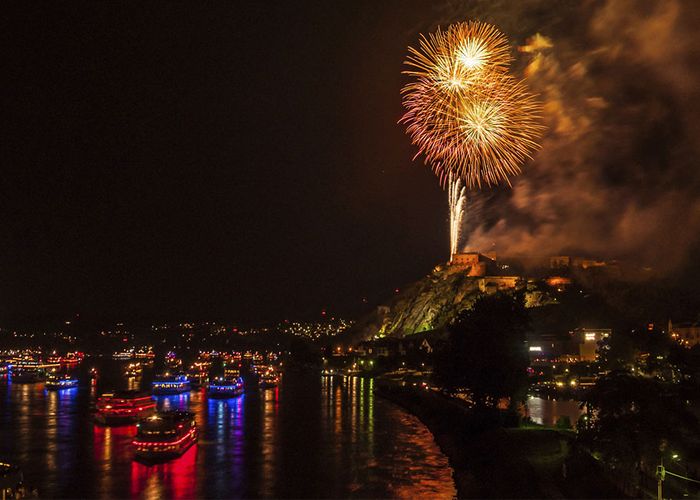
(464, 112)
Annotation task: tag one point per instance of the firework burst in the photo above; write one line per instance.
(465, 113)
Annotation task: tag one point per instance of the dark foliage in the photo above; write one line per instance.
(486, 350)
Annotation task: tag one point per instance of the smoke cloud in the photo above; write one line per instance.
(617, 175)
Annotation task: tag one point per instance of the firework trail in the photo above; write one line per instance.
(457, 195)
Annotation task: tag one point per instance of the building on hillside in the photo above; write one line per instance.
(560, 283)
(492, 284)
(686, 334)
(559, 261)
(476, 264)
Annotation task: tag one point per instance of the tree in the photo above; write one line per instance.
(633, 419)
(485, 353)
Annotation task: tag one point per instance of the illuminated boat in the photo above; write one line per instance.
(172, 361)
(123, 355)
(169, 385)
(133, 370)
(123, 407)
(165, 435)
(225, 388)
(72, 359)
(331, 372)
(196, 376)
(27, 372)
(56, 383)
(231, 372)
(269, 379)
(145, 353)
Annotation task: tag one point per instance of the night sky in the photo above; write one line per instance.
(235, 160)
(243, 161)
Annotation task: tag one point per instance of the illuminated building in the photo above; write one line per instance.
(587, 340)
(686, 334)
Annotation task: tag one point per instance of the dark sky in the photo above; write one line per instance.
(238, 160)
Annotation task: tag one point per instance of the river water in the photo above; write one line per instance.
(309, 437)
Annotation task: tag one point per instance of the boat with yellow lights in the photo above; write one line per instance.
(58, 383)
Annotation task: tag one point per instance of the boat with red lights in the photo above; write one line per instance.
(123, 407)
(57, 383)
(220, 387)
(165, 435)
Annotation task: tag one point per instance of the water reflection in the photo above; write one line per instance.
(309, 437)
(546, 411)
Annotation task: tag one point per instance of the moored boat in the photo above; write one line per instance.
(165, 435)
(225, 387)
(123, 407)
(167, 384)
(57, 383)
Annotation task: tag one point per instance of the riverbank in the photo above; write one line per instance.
(492, 460)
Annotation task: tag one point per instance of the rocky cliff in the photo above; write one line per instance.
(432, 302)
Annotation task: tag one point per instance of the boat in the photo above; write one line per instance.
(133, 370)
(221, 387)
(268, 379)
(331, 372)
(58, 383)
(165, 435)
(166, 385)
(123, 407)
(196, 377)
(29, 375)
(123, 355)
(172, 361)
(145, 353)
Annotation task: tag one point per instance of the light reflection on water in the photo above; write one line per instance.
(309, 437)
(546, 411)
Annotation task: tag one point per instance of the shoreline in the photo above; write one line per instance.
(491, 460)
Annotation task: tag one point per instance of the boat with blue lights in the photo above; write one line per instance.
(58, 383)
(168, 385)
(165, 435)
(123, 407)
(220, 387)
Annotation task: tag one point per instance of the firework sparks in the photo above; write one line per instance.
(463, 111)
(474, 123)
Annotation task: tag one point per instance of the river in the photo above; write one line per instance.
(309, 437)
